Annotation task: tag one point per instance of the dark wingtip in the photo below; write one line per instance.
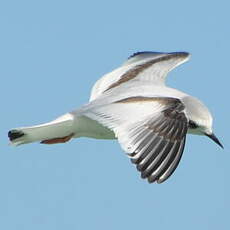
(143, 52)
(14, 134)
(180, 53)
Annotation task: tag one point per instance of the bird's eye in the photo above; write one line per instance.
(192, 125)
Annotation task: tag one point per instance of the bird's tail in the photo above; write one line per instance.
(59, 129)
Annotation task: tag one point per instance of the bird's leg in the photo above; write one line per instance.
(58, 140)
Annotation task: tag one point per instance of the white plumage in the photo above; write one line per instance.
(133, 104)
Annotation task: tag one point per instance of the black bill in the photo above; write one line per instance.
(215, 139)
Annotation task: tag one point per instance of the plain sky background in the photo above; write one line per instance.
(51, 53)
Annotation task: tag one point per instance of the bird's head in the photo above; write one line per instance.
(200, 119)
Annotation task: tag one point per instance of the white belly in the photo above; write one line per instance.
(85, 127)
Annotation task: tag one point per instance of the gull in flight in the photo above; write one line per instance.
(133, 105)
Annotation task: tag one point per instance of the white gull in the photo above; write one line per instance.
(133, 105)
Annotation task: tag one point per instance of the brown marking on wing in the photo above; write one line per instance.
(132, 73)
(161, 100)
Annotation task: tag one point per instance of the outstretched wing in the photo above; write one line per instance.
(151, 130)
(141, 66)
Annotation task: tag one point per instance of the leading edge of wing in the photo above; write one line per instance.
(138, 56)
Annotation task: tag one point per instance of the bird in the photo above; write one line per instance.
(134, 105)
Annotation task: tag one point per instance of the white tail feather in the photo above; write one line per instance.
(60, 127)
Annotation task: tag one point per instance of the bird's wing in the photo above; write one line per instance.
(152, 67)
(151, 130)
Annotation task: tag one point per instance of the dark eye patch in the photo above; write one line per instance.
(192, 125)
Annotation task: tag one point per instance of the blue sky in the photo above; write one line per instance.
(51, 53)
